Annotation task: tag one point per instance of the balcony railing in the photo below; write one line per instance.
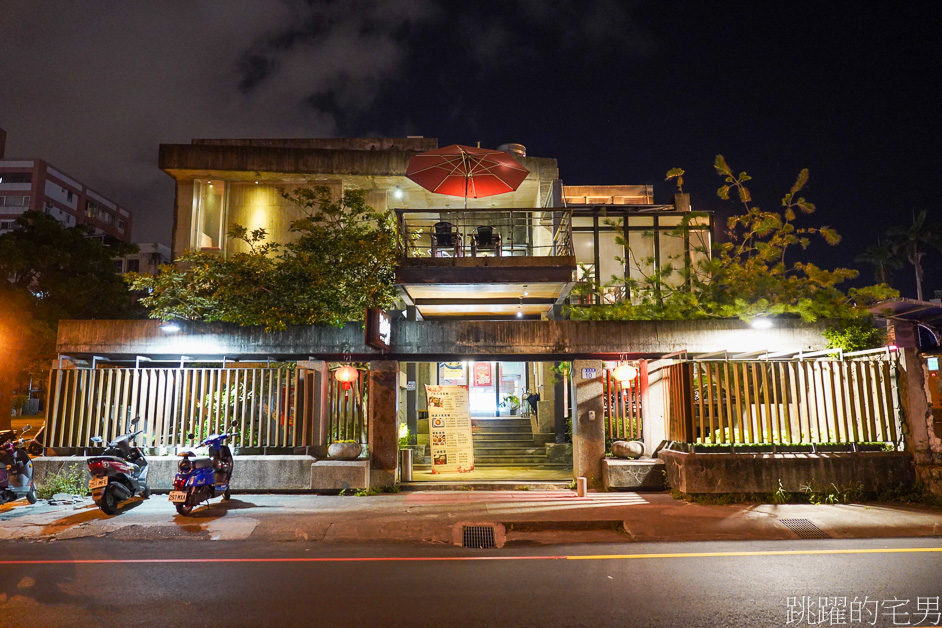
(464, 233)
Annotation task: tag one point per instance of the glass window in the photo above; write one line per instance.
(640, 255)
(134, 265)
(210, 231)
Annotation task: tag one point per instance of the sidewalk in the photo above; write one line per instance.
(531, 517)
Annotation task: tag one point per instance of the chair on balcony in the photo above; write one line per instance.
(485, 238)
(445, 237)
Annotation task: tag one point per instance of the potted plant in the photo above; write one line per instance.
(344, 450)
(512, 402)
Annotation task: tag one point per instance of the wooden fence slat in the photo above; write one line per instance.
(886, 372)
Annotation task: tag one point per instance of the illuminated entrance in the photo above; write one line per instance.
(512, 408)
(494, 388)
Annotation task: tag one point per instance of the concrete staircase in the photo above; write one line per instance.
(501, 442)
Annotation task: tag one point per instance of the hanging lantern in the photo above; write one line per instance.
(346, 375)
(625, 372)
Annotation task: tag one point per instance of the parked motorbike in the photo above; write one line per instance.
(119, 473)
(35, 447)
(200, 478)
(16, 468)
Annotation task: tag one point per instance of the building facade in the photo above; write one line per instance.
(35, 185)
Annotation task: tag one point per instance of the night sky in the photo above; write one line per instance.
(618, 92)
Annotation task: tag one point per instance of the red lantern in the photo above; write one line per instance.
(346, 375)
(625, 372)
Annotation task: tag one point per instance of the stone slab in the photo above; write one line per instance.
(634, 475)
(335, 475)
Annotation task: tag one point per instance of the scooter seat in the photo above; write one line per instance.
(202, 463)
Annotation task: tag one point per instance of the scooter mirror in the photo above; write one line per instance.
(96, 439)
(27, 428)
(191, 435)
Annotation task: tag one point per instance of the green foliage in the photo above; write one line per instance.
(676, 173)
(510, 401)
(67, 480)
(341, 261)
(51, 273)
(403, 435)
(832, 494)
(780, 495)
(855, 334)
(748, 275)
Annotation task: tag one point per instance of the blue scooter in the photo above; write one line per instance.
(200, 478)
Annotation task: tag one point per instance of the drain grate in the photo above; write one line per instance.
(480, 537)
(804, 529)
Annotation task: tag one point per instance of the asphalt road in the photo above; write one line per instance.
(106, 582)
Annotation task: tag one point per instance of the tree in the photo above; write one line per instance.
(50, 273)
(341, 261)
(749, 275)
(884, 259)
(912, 242)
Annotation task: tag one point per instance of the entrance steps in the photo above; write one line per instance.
(501, 442)
(488, 485)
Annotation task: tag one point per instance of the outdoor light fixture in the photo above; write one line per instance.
(761, 323)
(625, 372)
(346, 375)
(169, 327)
(398, 193)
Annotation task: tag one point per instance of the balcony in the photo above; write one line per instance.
(485, 263)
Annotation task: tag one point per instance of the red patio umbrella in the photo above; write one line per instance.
(466, 171)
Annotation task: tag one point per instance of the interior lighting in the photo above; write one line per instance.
(346, 375)
(169, 327)
(519, 314)
(761, 323)
(625, 372)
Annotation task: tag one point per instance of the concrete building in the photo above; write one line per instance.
(147, 260)
(30, 184)
(767, 403)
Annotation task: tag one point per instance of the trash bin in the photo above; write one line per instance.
(405, 464)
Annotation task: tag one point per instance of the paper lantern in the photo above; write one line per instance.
(625, 372)
(346, 375)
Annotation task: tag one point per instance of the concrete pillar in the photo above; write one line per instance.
(384, 422)
(588, 434)
(559, 407)
(917, 412)
(412, 396)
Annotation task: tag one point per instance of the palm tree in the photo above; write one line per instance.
(884, 259)
(912, 242)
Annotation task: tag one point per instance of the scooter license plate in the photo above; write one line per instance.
(178, 497)
(97, 482)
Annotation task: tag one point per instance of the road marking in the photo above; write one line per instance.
(367, 559)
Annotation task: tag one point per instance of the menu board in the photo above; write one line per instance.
(449, 419)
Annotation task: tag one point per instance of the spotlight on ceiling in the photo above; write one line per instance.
(761, 323)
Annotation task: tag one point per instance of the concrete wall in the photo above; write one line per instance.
(437, 340)
(761, 473)
(251, 473)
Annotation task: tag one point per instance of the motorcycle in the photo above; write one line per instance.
(119, 473)
(16, 468)
(200, 478)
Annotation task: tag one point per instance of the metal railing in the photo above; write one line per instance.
(523, 232)
(621, 406)
(789, 402)
(271, 406)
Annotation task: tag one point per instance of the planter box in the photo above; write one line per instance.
(750, 473)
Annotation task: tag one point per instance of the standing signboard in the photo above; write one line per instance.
(449, 419)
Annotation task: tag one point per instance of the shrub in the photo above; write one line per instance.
(71, 481)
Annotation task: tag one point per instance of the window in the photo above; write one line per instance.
(134, 265)
(14, 201)
(121, 224)
(210, 198)
(118, 265)
(7, 225)
(16, 177)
